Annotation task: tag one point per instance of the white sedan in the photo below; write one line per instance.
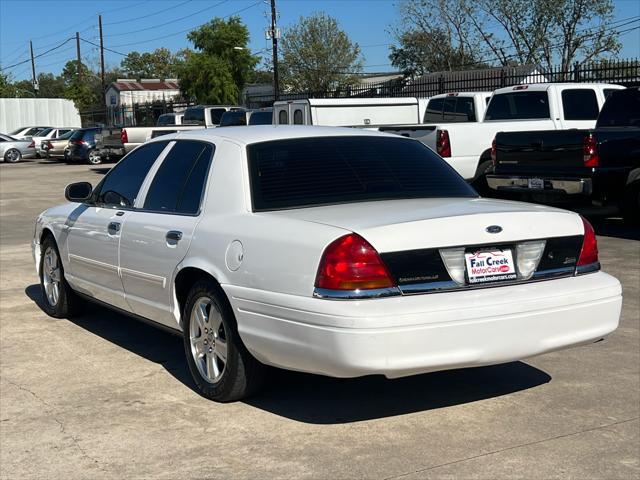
(334, 251)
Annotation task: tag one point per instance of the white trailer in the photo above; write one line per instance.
(347, 112)
(23, 112)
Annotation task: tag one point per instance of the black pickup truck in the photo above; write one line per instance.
(598, 167)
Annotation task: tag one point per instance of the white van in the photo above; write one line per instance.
(348, 112)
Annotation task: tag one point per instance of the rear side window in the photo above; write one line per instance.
(297, 117)
(216, 115)
(434, 110)
(121, 185)
(579, 104)
(261, 118)
(622, 109)
(518, 106)
(307, 172)
(179, 182)
(194, 116)
(283, 117)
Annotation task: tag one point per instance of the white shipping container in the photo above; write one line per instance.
(25, 112)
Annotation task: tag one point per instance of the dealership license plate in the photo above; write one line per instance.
(490, 266)
(536, 183)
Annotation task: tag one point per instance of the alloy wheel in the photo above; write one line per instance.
(51, 276)
(208, 340)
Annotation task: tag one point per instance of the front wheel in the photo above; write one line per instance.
(59, 300)
(220, 364)
(12, 155)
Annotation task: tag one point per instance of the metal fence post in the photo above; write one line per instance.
(441, 84)
(576, 72)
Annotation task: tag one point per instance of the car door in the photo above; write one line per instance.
(93, 231)
(157, 233)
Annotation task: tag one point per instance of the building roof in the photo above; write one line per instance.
(129, 85)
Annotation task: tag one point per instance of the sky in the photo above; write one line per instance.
(145, 25)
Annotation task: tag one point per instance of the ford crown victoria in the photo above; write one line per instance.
(323, 250)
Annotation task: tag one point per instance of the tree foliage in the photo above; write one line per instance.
(160, 63)
(221, 65)
(318, 56)
(544, 32)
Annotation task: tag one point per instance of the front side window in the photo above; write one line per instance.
(307, 172)
(579, 104)
(519, 106)
(121, 185)
(178, 185)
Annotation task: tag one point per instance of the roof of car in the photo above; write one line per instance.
(264, 133)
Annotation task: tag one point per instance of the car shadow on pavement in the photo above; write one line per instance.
(317, 399)
(101, 170)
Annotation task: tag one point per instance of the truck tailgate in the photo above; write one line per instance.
(543, 151)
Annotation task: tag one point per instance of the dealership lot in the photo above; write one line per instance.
(105, 396)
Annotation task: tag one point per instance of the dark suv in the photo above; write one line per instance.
(82, 146)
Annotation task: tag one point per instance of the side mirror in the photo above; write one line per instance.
(78, 192)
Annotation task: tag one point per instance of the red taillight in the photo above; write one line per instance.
(351, 263)
(589, 252)
(32, 144)
(124, 137)
(493, 152)
(77, 142)
(590, 149)
(443, 146)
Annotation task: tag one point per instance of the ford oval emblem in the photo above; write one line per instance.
(493, 229)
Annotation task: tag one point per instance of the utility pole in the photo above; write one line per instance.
(102, 60)
(79, 58)
(275, 34)
(33, 67)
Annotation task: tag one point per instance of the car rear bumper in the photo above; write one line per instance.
(517, 183)
(400, 336)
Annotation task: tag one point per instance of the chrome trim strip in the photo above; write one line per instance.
(592, 267)
(355, 294)
(428, 287)
(554, 272)
(571, 186)
(147, 277)
(88, 262)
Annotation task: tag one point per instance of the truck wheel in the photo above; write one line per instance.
(12, 155)
(479, 181)
(94, 158)
(220, 364)
(631, 204)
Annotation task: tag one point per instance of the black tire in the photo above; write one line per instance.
(12, 155)
(479, 181)
(68, 304)
(242, 374)
(631, 204)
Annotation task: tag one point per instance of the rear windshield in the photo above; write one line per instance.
(233, 119)
(309, 172)
(452, 109)
(518, 106)
(261, 118)
(194, 116)
(622, 109)
(169, 119)
(44, 132)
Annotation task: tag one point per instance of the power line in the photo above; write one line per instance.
(166, 23)
(40, 54)
(148, 15)
(185, 30)
(105, 48)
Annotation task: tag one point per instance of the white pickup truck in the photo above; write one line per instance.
(551, 106)
(204, 116)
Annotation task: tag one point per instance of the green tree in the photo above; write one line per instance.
(7, 89)
(160, 63)
(84, 91)
(221, 65)
(318, 56)
(50, 85)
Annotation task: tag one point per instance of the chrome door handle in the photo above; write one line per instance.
(174, 236)
(113, 228)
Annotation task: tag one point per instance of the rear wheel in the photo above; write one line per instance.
(94, 158)
(12, 155)
(59, 300)
(220, 364)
